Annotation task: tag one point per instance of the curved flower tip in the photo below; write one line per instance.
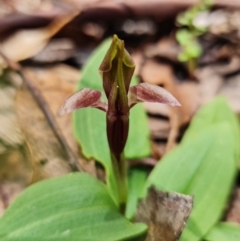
(81, 99)
(150, 93)
(117, 66)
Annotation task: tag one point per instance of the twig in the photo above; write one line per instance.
(73, 161)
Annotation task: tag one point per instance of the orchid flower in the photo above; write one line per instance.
(117, 69)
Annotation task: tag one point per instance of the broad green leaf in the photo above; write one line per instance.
(224, 232)
(90, 124)
(205, 168)
(136, 179)
(217, 111)
(72, 207)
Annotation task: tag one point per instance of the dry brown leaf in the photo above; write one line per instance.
(157, 110)
(15, 175)
(156, 73)
(56, 84)
(55, 51)
(159, 128)
(2, 207)
(210, 83)
(164, 213)
(159, 74)
(26, 43)
(158, 150)
(166, 47)
(227, 68)
(15, 167)
(230, 90)
(137, 57)
(10, 132)
(233, 214)
(186, 93)
(47, 156)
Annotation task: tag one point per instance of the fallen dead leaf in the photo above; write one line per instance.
(47, 156)
(15, 167)
(159, 128)
(233, 215)
(187, 93)
(15, 175)
(156, 109)
(158, 149)
(56, 50)
(10, 131)
(210, 83)
(156, 73)
(166, 48)
(56, 84)
(230, 89)
(26, 43)
(164, 213)
(227, 68)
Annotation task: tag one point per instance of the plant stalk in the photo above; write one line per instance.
(119, 165)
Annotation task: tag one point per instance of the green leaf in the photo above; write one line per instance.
(217, 111)
(184, 36)
(224, 232)
(90, 124)
(72, 207)
(136, 179)
(183, 57)
(199, 167)
(193, 49)
(181, 19)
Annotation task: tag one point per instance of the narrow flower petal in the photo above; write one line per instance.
(81, 99)
(150, 93)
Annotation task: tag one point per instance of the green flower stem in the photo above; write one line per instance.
(119, 166)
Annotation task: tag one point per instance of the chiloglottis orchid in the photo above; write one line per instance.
(116, 70)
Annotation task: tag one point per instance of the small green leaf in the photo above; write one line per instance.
(217, 111)
(183, 20)
(136, 179)
(72, 207)
(193, 49)
(183, 57)
(90, 124)
(183, 36)
(199, 167)
(224, 232)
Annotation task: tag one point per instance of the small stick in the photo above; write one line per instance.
(73, 161)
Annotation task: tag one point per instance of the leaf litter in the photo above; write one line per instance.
(24, 142)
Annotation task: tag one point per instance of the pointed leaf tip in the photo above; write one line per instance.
(81, 99)
(146, 92)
